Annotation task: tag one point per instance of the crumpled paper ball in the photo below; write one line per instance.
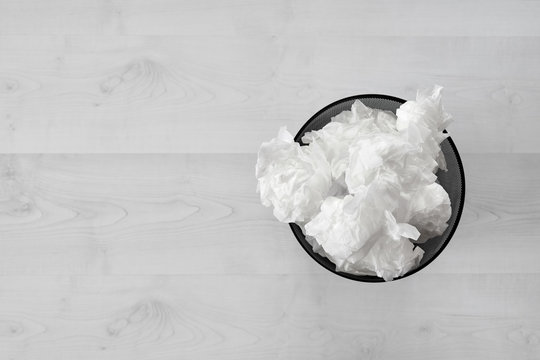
(429, 210)
(364, 190)
(347, 128)
(293, 179)
(376, 157)
(361, 236)
(423, 121)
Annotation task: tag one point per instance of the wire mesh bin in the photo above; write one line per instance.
(452, 180)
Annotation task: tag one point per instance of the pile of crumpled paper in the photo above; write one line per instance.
(364, 189)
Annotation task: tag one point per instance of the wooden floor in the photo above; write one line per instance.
(129, 223)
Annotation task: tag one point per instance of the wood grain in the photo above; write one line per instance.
(199, 214)
(129, 223)
(189, 94)
(341, 18)
(317, 316)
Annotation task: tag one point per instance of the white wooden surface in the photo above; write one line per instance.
(129, 223)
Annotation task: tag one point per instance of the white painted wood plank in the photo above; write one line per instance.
(133, 94)
(269, 317)
(193, 214)
(166, 257)
(500, 224)
(237, 18)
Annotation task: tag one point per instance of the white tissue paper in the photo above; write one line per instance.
(364, 190)
(430, 209)
(293, 179)
(345, 129)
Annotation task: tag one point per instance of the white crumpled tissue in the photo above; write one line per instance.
(364, 188)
